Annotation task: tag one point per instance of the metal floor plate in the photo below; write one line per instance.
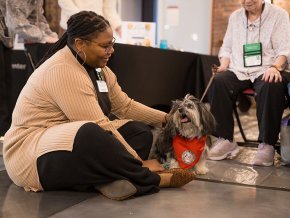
(240, 170)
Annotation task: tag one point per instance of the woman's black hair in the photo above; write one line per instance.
(84, 25)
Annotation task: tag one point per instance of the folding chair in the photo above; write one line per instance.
(248, 92)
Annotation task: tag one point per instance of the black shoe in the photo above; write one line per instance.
(118, 190)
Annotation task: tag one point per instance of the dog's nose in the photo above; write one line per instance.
(181, 110)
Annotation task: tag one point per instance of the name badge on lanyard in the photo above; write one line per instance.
(102, 85)
(252, 54)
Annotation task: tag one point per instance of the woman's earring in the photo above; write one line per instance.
(77, 54)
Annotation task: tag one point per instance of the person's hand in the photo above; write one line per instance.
(166, 119)
(50, 39)
(272, 75)
(153, 165)
(218, 69)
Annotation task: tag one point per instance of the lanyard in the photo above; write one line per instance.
(259, 24)
(99, 75)
(248, 29)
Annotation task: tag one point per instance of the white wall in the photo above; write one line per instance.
(194, 22)
(194, 29)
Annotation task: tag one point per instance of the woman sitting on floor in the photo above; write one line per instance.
(61, 136)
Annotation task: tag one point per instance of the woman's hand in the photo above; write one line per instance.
(225, 62)
(272, 75)
(218, 69)
(153, 165)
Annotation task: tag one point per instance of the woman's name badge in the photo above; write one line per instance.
(252, 54)
(102, 86)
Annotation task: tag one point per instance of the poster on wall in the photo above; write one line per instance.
(139, 33)
(172, 15)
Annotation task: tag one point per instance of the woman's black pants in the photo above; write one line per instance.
(99, 158)
(270, 101)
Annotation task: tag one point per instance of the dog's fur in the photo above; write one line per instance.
(189, 118)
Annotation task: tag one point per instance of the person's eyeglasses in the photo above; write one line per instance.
(106, 47)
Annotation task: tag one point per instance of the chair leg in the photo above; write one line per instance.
(240, 125)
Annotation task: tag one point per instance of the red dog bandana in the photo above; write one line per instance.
(188, 152)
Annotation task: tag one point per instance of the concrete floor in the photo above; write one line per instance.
(232, 188)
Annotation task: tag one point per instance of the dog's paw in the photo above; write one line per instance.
(201, 170)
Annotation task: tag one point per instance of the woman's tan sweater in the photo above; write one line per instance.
(56, 101)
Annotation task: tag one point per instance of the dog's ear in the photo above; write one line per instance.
(163, 144)
(170, 129)
(207, 120)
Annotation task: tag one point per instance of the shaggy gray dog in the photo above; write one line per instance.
(190, 120)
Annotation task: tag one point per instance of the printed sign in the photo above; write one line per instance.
(139, 33)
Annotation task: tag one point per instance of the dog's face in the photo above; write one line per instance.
(190, 118)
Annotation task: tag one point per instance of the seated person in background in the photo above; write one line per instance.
(106, 8)
(253, 55)
(61, 136)
(26, 19)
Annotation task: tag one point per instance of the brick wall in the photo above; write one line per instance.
(283, 4)
(220, 15)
